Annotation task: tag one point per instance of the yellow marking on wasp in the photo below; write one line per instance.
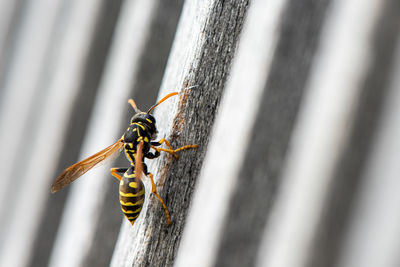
(149, 120)
(141, 126)
(132, 161)
(133, 185)
(129, 156)
(130, 175)
(131, 211)
(130, 145)
(140, 202)
(139, 139)
(141, 193)
(132, 217)
(146, 139)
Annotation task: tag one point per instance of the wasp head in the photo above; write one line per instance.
(147, 121)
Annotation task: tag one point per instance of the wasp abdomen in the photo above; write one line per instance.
(131, 195)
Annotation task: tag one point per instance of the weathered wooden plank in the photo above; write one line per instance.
(204, 46)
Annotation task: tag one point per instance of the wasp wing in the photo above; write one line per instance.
(73, 172)
(139, 160)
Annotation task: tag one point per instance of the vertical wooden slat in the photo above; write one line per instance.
(204, 45)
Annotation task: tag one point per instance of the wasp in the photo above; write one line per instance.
(138, 144)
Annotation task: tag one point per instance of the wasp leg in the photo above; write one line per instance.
(159, 143)
(150, 155)
(154, 191)
(170, 150)
(114, 172)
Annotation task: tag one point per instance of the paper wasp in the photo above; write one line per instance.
(137, 143)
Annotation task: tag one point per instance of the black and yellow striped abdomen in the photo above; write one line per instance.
(131, 195)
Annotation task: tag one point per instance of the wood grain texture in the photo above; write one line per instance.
(202, 53)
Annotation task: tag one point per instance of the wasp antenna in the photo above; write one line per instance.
(168, 96)
(162, 100)
(133, 104)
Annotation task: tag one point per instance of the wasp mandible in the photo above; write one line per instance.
(138, 144)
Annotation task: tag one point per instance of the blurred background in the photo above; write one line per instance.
(296, 110)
